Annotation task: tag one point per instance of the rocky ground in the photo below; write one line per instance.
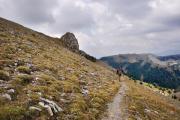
(42, 79)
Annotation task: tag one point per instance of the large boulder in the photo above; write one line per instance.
(69, 41)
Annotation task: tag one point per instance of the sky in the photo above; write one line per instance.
(104, 27)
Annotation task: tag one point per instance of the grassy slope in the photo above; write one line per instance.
(55, 72)
(145, 104)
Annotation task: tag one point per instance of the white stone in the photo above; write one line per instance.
(49, 105)
(36, 78)
(147, 110)
(7, 96)
(34, 108)
(85, 92)
(156, 112)
(39, 93)
(11, 91)
(63, 94)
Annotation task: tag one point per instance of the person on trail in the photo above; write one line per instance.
(119, 73)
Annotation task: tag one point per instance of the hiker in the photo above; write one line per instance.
(119, 73)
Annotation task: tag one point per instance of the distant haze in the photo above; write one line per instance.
(104, 27)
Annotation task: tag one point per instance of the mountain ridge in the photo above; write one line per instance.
(148, 67)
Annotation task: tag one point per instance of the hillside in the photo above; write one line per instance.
(46, 78)
(143, 102)
(161, 71)
(138, 100)
(42, 79)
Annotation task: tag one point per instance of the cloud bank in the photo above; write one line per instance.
(104, 27)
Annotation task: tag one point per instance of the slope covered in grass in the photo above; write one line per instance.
(34, 67)
(144, 103)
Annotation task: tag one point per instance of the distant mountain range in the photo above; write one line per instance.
(170, 57)
(160, 70)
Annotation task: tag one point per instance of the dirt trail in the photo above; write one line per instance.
(114, 108)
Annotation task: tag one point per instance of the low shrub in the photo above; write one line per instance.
(4, 75)
(24, 69)
(12, 113)
(25, 79)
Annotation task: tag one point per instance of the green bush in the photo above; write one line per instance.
(25, 79)
(24, 69)
(4, 75)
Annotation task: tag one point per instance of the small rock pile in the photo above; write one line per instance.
(50, 106)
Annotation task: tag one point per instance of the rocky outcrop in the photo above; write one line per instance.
(70, 42)
(87, 56)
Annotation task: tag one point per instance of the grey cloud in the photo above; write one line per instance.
(73, 18)
(135, 9)
(31, 11)
(173, 21)
(103, 27)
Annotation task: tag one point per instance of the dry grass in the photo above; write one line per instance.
(54, 71)
(146, 104)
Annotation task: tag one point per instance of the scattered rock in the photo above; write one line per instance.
(37, 78)
(39, 93)
(147, 110)
(47, 107)
(81, 76)
(61, 78)
(85, 91)
(35, 108)
(93, 74)
(11, 91)
(51, 106)
(63, 94)
(156, 112)
(6, 96)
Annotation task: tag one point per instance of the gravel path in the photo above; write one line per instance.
(114, 108)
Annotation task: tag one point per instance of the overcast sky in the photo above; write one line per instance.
(104, 27)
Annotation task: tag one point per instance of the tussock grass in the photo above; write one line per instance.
(4, 75)
(148, 105)
(50, 63)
